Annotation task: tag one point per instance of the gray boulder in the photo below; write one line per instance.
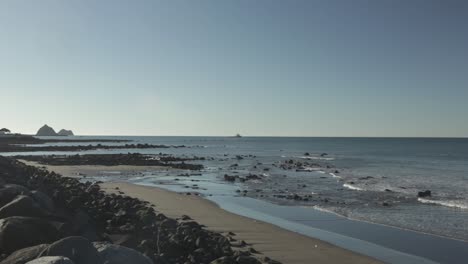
(115, 254)
(43, 200)
(224, 260)
(78, 249)
(19, 232)
(9, 191)
(24, 255)
(51, 260)
(22, 205)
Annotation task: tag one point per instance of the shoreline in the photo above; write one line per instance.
(273, 241)
(381, 242)
(376, 241)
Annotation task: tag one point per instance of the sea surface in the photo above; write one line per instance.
(367, 179)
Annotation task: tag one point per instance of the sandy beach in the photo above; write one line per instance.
(272, 241)
(84, 170)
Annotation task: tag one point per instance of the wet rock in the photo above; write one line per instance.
(229, 178)
(19, 232)
(78, 249)
(51, 260)
(24, 255)
(426, 193)
(115, 254)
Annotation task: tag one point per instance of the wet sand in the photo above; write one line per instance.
(95, 170)
(272, 241)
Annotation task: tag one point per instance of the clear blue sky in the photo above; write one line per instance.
(279, 68)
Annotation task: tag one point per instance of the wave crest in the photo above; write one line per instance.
(453, 204)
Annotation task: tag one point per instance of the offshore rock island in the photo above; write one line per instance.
(47, 131)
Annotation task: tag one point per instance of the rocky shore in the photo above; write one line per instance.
(133, 159)
(47, 218)
(20, 148)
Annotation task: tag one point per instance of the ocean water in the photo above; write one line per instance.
(368, 179)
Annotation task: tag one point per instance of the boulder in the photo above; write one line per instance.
(10, 191)
(247, 260)
(115, 254)
(51, 260)
(78, 249)
(224, 260)
(43, 200)
(426, 193)
(22, 205)
(24, 255)
(19, 232)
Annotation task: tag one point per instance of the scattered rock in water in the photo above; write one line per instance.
(426, 193)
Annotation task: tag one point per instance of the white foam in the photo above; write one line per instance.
(316, 158)
(454, 204)
(335, 176)
(352, 187)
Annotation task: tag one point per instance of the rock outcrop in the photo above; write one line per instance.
(46, 131)
(64, 132)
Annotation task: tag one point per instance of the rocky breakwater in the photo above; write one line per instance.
(46, 218)
(131, 159)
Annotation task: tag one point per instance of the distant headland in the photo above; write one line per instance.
(47, 131)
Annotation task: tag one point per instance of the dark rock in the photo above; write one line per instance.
(224, 260)
(24, 255)
(51, 260)
(229, 178)
(46, 131)
(22, 205)
(64, 132)
(115, 254)
(43, 200)
(10, 191)
(426, 193)
(78, 249)
(247, 260)
(19, 232)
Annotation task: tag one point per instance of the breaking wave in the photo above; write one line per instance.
(352, 187)
(453, 204)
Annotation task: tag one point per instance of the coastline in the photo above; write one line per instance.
(373, 242)
(272, 241)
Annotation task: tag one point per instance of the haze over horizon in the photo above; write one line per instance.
(264, 68)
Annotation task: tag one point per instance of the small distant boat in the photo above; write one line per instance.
(237, 136)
